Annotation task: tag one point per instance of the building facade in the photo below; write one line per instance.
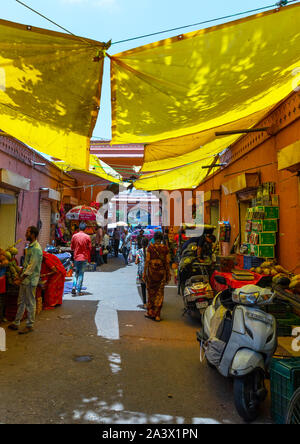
(31, 192)
(260, 157)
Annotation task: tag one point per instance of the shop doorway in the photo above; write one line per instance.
(243, 219)
(245, 201)
(215, 215)
(8, 214)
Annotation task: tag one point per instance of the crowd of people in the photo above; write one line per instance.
(152, 258)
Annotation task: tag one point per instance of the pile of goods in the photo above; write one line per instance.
(279, 274)
(295, 284)
(269, 268)
(7, 261)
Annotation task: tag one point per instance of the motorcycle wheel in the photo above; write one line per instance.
(245, 395)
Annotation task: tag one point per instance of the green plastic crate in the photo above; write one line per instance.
(266, 251)
(279, 310)
(285, 379)
(283, 331)
(290, 319)
(265, 225)
(267, 238)
(269, 212)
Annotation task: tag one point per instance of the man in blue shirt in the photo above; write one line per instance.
(29, 281)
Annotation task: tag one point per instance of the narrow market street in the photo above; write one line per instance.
(96, 359)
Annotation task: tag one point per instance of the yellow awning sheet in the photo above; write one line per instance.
(184, 177)
(49, 90)
(96, 168)
(175, 94)
(172, 153)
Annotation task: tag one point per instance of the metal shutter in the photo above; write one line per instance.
(45, 218)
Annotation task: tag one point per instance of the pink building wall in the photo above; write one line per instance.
(19, 159)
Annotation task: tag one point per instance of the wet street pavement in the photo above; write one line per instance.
(97, 360)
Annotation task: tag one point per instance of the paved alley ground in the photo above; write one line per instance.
(97, 360)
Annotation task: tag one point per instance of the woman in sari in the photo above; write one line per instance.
(156, 275)
(53, 275)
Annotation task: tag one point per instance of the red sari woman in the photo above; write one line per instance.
(157, 275)
(53, 275)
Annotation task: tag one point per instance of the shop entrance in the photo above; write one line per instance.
(8, 214)
(215, 215)
(245, 201)
(243, 219)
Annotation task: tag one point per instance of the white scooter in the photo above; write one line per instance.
(239, 340)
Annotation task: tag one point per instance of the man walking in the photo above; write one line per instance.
(29, 281)
(81, 245)
(116, 241)
(139, 239)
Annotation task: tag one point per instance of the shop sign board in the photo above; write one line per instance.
(51, 194)
(242, 182)
(289, 158)
(14, 180)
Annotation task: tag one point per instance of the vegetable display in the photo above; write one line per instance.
(7, 260)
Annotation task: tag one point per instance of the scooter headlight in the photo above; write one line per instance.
(246, 298)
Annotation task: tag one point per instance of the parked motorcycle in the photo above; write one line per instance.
(193, 282)
(239, 340)
(197, 293)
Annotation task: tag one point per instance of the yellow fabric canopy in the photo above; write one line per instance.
(173, 95)
(50, 86)
(96, 168)
(184, 177)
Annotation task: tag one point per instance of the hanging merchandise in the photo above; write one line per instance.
(262, 223)
(225, 231)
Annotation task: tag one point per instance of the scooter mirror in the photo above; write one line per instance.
(284, 282)
(265, 282)
(220, 280)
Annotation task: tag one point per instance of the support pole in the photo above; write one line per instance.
(242, 131)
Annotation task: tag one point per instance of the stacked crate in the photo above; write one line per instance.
(285, 379)
(263, 221)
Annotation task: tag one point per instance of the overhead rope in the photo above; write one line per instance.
(94, 45)
(278, 5)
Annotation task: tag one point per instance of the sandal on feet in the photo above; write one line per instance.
(13, 327)
(149, 317)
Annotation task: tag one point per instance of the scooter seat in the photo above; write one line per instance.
(195, 279)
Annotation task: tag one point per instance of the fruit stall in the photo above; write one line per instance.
(9, 283)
